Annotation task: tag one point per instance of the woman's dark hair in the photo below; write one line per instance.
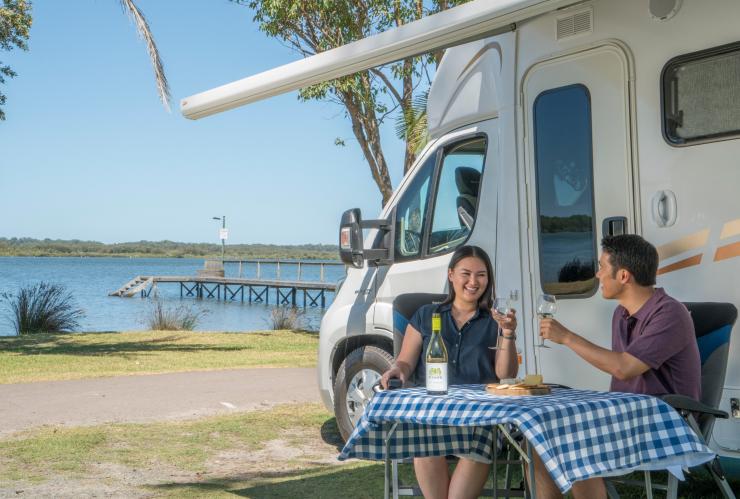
(486, 299)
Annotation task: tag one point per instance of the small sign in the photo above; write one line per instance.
(223, 234)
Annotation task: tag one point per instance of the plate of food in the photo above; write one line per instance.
(532, 384)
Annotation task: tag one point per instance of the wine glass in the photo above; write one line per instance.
(500, 306)
(547, 305)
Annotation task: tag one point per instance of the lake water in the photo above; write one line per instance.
(91, 279)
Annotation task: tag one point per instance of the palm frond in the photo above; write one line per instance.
(142, 27)
(411, 124)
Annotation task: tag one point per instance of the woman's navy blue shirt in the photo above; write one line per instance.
(469, 359)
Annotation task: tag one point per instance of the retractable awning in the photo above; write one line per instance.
(462, 24)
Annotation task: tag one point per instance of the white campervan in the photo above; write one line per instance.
(555, 123)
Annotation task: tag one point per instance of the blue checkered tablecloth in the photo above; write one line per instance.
(578, 434)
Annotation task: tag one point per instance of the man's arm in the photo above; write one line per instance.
(621, 365)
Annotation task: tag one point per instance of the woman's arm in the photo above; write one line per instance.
(407, 358)
(507, 362)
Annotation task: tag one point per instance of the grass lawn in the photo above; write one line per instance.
(288, 451)
(41, 357)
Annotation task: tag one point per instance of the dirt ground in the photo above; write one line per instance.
(224, 471)
(161, 398)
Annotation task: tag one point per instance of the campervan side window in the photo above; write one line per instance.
(565, 199)
(701, 96)
(411, 213)
(456, 199)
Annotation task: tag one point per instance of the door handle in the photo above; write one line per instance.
(614, 226)
(664, 208)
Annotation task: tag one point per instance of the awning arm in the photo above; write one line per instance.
(462, 24)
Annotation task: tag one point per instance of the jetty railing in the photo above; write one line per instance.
(277, 263)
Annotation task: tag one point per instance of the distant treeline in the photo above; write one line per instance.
(573, 223)
(165, 249)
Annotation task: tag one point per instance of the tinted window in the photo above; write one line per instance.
(411, 213)
(701, 96)
(456, 200)
(564, 177)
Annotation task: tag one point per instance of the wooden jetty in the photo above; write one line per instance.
(211, 283)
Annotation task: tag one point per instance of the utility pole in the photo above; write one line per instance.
(223, 234)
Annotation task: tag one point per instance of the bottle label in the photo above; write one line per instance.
(436, 322)
(437, 377)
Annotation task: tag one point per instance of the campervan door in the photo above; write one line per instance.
(579, 170)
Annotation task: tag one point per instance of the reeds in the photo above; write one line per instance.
(282, 317)
(42, 308)
(164, 317)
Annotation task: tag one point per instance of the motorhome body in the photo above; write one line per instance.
(598, 117)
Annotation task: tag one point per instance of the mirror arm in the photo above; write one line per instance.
(382, 224)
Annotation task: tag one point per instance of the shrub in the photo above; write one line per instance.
(172, 318)
(575, 270)
(283, 317)
(42, 308)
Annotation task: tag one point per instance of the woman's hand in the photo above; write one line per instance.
(394, 372)
(506, 322)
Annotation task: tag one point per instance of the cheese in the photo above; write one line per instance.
(533, 379)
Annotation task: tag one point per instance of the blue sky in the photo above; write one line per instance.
(88, 152)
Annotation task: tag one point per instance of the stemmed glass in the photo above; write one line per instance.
(502, 307)
(547, 305)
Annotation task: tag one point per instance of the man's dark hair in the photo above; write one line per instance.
(634, 254)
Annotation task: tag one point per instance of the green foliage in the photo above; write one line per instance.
(573, 223)
(411, 124)
(369, 97)
(42, 308)
(165, 249)
(15, 23)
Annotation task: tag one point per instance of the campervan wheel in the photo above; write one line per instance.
(353, 388)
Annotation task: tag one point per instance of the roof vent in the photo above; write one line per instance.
(575, 24)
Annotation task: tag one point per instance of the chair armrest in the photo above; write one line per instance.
(681, 402)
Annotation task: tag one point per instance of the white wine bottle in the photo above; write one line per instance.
(436, 360)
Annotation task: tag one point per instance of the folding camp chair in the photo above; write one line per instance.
(713, 324)
(404, 307)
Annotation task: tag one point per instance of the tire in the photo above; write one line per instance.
(359, 371)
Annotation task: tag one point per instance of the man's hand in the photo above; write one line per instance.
(394, 372)
(552, 330)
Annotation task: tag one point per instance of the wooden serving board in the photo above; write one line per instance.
(515, 390)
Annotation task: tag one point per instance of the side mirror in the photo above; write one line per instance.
(350, 238)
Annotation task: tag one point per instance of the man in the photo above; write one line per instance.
(654, 348)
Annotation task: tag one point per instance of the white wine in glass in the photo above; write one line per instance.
(547, 305)
(501, 307)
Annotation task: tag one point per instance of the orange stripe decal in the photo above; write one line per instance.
(681, 264)
(727, 251)
(674, 248)
(730, 229)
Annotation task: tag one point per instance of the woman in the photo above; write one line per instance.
(469, 329)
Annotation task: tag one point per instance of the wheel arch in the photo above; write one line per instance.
(344, 347)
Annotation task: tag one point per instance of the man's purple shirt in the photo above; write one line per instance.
(660, 334)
